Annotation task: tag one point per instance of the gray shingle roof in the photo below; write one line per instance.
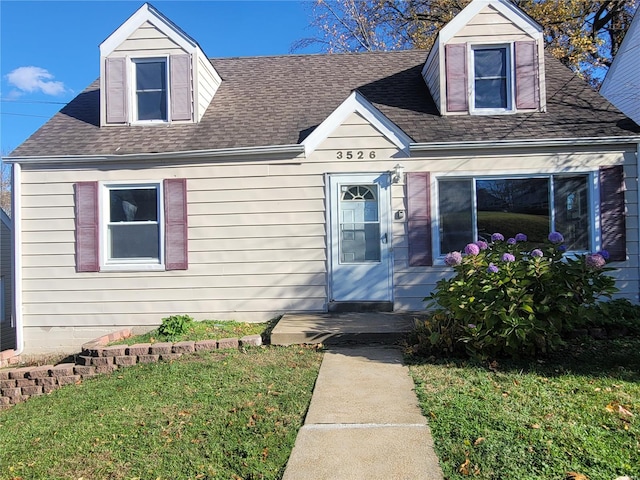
(279, 100)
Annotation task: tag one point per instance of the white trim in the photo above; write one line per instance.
(16, 214)
(524, 143)
(147, 13)
(260, 151)
(513, 13)
(356, 103)
(107, 264)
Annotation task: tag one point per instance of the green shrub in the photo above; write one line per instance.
(174, 326)
(508, 299)
(619, 314)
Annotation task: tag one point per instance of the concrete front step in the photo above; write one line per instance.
(342, 328)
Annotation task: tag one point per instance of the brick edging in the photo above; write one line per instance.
(97, 357)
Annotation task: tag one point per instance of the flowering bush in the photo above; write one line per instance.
(509, 299)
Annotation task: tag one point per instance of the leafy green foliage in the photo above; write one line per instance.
(506, 299)
(619, 315)
(174, 326)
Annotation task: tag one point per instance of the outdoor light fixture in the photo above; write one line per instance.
(397, 174)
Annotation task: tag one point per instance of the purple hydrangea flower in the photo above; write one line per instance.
(521, 237)
(595, 261)
(497, 237)
(604, 254)
(471, 325)
(556, 237)
(537, 253)
(492, 268)
(482, 245)
(507, 257)
(511, 241)
(562, 248)
(472, 249)
(452, 259)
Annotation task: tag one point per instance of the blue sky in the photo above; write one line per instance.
(49, 49)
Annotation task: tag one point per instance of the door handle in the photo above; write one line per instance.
(384, 238)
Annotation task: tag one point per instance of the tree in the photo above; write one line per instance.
(5, 187)
(584, 35)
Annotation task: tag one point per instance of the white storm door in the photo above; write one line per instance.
(360, 238)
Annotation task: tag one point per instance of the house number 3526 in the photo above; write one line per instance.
(358, 154)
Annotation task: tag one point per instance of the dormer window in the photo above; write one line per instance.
(151, 94)
(491, 80)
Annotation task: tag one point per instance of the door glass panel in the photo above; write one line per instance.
(359, 224)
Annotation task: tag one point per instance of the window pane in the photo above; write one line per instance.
(360, 242)
(151, 76)
(133, 205)
(491, 93)
(130, 241)
(152, 106)
(456, 221)
(512, 206)
(490, 62)
(571, 211)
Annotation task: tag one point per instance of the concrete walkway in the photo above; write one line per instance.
(363, 421)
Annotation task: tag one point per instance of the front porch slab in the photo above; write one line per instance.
(342, 328)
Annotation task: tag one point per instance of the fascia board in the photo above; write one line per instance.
(532, 143)
(147, 13)
(295, 149)
(513, 13)
(356, 103)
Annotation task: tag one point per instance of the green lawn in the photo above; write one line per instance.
(230, 415)
(575, 412)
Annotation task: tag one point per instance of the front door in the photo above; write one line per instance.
(360, 238)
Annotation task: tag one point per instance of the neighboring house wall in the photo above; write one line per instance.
(7, 329)
(621, 86)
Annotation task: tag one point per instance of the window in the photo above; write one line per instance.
(151, 89)
(132, 215)
(491, 78)
(474, 208)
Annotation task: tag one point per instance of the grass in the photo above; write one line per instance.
(202, 330)
(231, 415)
(577, 411)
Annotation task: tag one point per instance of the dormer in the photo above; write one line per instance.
(488, 60)
(151, 72)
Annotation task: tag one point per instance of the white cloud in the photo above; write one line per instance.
(35, 79)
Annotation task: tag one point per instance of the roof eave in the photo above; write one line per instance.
(295, 149)
(525, 143)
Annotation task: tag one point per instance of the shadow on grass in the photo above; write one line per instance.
(608, 358)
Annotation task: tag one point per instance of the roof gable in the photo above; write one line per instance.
(5, 219)
(504, 7)
(357, 103)
(147, 13)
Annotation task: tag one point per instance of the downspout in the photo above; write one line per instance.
(16, 212)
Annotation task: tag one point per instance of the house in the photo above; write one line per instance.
(244, 188)
(7, 327)
(621, 85)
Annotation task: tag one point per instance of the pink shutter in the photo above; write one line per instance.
(180, 71)
(116, 90)
(612, 212)
(419, 218)
(456, 76)
(527, 81)
(87, 227)
(175, 224)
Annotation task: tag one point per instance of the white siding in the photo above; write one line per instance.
(432, 76)
(147, 40)
(207, 82)
(490, 26)
(621, 86)
(257, 236)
